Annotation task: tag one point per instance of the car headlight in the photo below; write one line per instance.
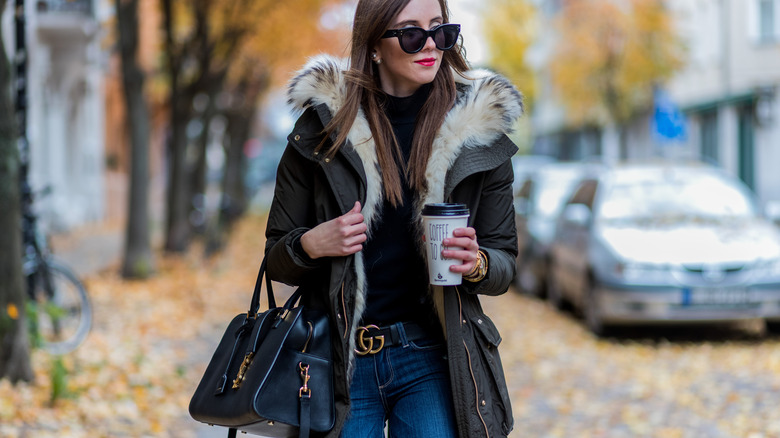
(769, 268)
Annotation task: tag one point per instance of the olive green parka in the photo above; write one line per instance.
(469, 164)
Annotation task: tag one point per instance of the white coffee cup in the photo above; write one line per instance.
(439, 220)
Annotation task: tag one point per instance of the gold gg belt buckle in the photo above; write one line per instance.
(363, 348)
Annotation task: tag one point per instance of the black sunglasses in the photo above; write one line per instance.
(413, 39)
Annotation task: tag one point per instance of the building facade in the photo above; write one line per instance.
(729, 91)
(65, 112)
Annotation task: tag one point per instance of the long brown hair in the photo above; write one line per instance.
(372, 19)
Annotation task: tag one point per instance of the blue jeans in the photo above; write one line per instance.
(407, 386)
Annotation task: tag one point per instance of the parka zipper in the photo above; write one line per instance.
(471, 370)
(344, 312)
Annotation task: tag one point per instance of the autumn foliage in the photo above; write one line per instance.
(510, 28)
(277, 34)
(222, 53)
(609, 55)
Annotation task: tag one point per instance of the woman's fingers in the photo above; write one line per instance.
(341, 236)
(465, 238)
(463, 246)
(346, 234)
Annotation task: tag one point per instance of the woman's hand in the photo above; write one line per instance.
(465, 238)
(337, 237)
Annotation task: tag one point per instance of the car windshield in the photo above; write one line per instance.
(676, 196)
(553, 189)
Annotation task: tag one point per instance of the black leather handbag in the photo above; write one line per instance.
(271, 373)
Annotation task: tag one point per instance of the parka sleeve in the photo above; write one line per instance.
(290, 216)
(496, 232)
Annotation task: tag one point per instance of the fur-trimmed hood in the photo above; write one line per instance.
(486, 108)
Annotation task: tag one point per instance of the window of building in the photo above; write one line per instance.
(766, 20)
(709, 136)
(747, 149)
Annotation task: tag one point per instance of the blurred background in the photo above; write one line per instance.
(155, 127)
(632, 79)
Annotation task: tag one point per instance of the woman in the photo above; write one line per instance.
(400, 125)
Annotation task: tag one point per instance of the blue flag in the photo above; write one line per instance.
(668, 123)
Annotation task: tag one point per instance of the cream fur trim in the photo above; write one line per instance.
(487, 109)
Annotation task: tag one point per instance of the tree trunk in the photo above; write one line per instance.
(240, 114)
(623, 139)
(234, 200)
(138, 260)
(233, 185)
(620, 124)
(178, 232)
(247, 92)
(14, 341)
(177, 226)
(199, 167)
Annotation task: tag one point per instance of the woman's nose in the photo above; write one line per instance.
(429, 43)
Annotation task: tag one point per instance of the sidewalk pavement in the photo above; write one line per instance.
(90, 249)
(93, 249)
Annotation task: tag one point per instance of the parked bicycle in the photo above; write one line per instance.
(60, 310)
(58, 306)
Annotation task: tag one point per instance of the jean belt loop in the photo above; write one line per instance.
(400, 333)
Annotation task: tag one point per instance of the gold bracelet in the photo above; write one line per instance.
(474, 269)
(480, 269)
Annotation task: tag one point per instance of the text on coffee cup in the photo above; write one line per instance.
(436, 234)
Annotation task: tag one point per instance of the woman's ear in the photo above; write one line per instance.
(376, 52)
(376, 57)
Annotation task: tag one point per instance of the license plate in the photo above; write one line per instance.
(717, 296)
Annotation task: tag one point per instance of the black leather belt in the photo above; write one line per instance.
(371, 339)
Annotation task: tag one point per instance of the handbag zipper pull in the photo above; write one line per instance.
(242, 371)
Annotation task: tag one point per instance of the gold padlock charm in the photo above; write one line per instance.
(242, 371)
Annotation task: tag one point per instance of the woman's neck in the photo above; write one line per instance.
(408, 106)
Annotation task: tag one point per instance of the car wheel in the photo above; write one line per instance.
(554, 292)
(773, 326)
(592, 314)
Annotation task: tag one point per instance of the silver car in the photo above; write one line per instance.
(538, 201)
(665, 243)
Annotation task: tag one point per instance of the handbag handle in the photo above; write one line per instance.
(254, 306)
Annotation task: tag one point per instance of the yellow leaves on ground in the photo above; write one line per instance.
(152, 339)
(652, 382)
(150, 343)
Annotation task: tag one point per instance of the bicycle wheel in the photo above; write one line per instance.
(62, 312)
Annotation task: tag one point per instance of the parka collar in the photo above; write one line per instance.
(486, 108)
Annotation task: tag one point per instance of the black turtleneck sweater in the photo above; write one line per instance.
(396, 271)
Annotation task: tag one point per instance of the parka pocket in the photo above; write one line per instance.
(493, 388)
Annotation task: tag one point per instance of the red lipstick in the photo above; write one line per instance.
(427, 62)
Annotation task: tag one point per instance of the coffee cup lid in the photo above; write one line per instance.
(445, 209)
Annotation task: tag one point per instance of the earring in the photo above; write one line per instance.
(375, 59)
